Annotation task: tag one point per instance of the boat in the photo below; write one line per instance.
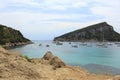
(47, 45)
(69, 42)
(59, 43)
(75, 46)
(83, 44)
(40, 44)
(117, 42)
(103, 44)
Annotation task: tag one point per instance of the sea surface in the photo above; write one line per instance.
(96, 59)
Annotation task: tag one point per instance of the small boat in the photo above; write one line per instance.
(59, 43)
(47, 45)
(103, 45)
(83, 44)
(117, 42)
(75, 46)
(109, 44)
(69, 42)
(40, 44)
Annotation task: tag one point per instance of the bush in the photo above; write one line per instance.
(27, 58)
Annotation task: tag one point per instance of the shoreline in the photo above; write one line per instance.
(9, 45)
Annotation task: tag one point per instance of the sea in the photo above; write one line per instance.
(89, 55)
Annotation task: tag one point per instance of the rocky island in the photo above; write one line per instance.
(97, 32)
(11, 37)
(14, 66)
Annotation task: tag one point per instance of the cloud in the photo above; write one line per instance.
(109, 10)
(46, 4)
(56, 17)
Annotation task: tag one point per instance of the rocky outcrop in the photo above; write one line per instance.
(53, 60)
(97, 32)
(14, 66)
(11, 37)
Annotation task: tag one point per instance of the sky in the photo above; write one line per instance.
(46, 19)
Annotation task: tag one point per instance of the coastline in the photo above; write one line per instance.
(17, 67)
(9, 45)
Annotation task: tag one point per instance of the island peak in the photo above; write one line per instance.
(96, 32)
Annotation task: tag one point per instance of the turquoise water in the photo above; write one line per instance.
(91, 55)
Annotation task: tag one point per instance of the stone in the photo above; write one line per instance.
(56, 62)
(48, 56)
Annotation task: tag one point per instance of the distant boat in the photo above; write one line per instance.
(109, 44)
(40, 44)
(117, 42)
(59, 43)
(83, 44)
(75, 46)
(103, 43)
(69, 42)
(47, 45)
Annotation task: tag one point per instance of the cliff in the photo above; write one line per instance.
(11, 37)
(97, 32)
(14, 66)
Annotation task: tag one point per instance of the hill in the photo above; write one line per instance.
(97, 32)
(11, 37)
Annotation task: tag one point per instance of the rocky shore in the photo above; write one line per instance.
(9, 45)
(14, 66)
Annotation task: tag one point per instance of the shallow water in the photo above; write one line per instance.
(101, 59)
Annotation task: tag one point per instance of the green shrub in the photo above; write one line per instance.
(26, 57)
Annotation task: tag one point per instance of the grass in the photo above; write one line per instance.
(26, 57)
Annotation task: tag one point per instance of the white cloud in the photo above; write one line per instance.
(109, 9)
(47, 4)
(23, 17)
(37, 23)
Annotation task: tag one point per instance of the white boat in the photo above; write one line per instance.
(59, 43)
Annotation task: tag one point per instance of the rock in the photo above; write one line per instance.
(96, 32)
(116, 78)
(2, 50)
(56, 62)
(48, 56)
(53, 60)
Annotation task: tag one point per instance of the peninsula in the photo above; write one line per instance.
(10, 37)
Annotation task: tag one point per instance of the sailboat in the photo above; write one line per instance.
(103, 43)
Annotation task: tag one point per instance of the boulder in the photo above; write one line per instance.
(48, 56)
(53, 60)
(56, 62)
